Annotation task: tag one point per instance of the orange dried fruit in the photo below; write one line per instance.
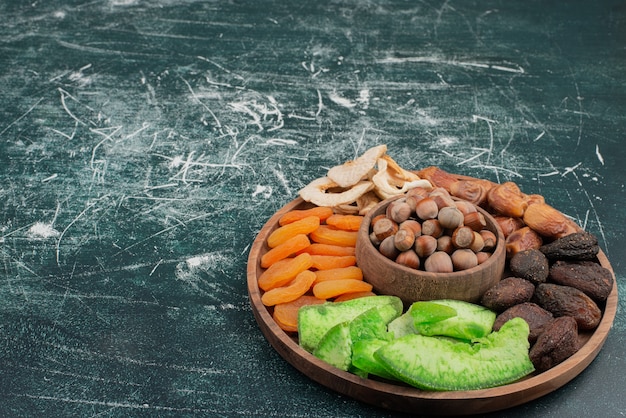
(282, 272)
(353, 295)
(322, 212)
(325, 262)
(341, 273)
(286, 314)
(284, 250)
(296, 288)
(332, 288)
(326, 234)
(345, 222)
(329, 249)
(283, 233)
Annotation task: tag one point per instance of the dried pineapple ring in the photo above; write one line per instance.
(318, 192)
(350, 173)
(388, 185)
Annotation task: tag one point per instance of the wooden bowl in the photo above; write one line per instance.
(398, 397)
(411, 285)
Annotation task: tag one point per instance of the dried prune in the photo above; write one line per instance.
(587, 276)
(568, 301)
(536, 317)
(577, 246)
(531, 265)
(558, 342)
(506, 293)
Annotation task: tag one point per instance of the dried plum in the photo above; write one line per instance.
(577, 246)
(568, 301)
(508, 292)
(588, 276)
(558, 342)
(531, 265)
(535, 316)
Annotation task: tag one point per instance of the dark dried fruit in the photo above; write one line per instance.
(568, 301)
(536, 317)
(558, 342)
(587, 276)
(506, 293)
(531, 265)
(576, 246)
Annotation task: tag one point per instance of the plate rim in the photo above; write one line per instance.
(405, 398)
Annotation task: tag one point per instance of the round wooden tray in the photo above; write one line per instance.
(400, 398)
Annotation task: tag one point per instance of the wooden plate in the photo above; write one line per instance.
(398, 397)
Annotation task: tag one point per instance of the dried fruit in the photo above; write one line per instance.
(588, 276)
(345, 222)
(332, 288)
(285, 232)
(286, 314)
(522, 239)
(508, 292)
(326, 234)
(326, 262)
(282, 272)
(296, 288)
(507, 199)
(284, 250)
(536, 317)
(297, 214)
(569, 301)
(531, 265)
(557, 343)
(339, 273)
(577, 246)
(548, 221)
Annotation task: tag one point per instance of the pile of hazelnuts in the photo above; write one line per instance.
(429, 230)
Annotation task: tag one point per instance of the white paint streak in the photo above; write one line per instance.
(505, 67)
(599, 155)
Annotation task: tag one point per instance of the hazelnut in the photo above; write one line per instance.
(482, 256)
(478, 244)
(463, 237)
(475, 220)
(464, 259)
(411, 225)
(426, 209)
(489, 239)
(450, 217)
(409, 259)
(464, 206)
(388, 248)
(432, 227)
(444, 243)
(404, 239)
(384, 228)
(398, 211)
(425, 245)
(439, 262)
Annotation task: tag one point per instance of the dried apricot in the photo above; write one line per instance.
(332, 288)
(342, 273)
(296, 288)
(284, 250)
(353, 295)
(345, 222)
(286, 314)
(329, 249)
(282, 272)
(322, 212)
(326, 234)
(325, 262)
(283, 233)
